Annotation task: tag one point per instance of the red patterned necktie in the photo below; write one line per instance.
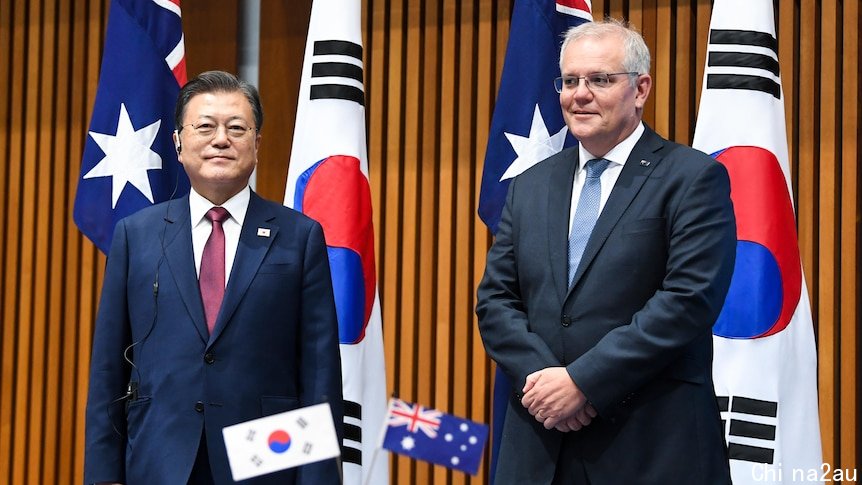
(211, 279)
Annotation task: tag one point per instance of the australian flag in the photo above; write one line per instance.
(528, 124)
(129, 159)
(434, 436)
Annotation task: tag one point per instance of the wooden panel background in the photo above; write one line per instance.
(432, 69)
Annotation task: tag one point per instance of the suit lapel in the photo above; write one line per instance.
(180, 256)
(640, 164)
(249, 254)
(559, 205)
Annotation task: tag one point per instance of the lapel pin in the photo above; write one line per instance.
(263, 231)
(644, 163)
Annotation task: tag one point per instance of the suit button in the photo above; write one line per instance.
(566, 320)
(209, 358)
(199, 407)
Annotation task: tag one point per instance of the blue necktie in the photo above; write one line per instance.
(586, 213)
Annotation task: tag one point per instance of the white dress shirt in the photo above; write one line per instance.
(202, 227)
(617, 156)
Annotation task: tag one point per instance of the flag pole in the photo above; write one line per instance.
(249, 52)
(379, 440)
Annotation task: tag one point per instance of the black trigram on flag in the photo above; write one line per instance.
(753, 423)
(737, 59)
(351, 449)
(336, 71)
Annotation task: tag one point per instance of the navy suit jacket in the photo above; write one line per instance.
(274, 347)
(634, 331)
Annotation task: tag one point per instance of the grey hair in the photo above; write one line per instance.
(217, 82)
(636, 56)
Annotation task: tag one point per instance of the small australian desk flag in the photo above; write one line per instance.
(434, 436)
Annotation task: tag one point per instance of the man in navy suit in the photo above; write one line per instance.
(187, 343)
(610, 266)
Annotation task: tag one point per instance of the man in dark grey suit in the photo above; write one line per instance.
(610, 266)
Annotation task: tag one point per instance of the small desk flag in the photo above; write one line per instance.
(434, 436)
(281, 441)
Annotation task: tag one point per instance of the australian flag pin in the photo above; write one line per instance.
(263, 231)
(644, 163)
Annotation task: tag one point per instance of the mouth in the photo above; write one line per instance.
(219, 158)
(580, 112)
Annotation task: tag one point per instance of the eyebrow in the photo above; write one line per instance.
(231, 118)
(591, 72)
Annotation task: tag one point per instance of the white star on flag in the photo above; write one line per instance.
(128, 156)
(408, 443)
(535, 148)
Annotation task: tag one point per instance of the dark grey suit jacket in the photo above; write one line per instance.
(634, 331)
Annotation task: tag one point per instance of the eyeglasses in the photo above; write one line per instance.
(598, 80)
(207, 129)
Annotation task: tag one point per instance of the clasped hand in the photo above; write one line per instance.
(553, 398)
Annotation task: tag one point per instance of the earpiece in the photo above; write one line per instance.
(177, 143)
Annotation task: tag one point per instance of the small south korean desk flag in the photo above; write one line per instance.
(281, 441)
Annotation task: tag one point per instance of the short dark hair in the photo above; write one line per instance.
(217, 82)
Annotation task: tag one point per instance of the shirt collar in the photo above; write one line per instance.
(618, 154)
(236, 206)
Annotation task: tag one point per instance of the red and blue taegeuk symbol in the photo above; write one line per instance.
(279, 441)
(335, 192)
(767, 278)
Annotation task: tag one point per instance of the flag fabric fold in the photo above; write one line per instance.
(765, 364)
(129, 161)
(281, 441)
(434, 436)
(328, 181)
(527, 126)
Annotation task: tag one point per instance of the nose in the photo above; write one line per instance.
(220, 137)
(579, 95)
(581, 91)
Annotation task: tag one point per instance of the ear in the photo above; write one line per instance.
(256, 146)
(642, 87)
(177, 143)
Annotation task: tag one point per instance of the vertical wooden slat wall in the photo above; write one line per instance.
(432, 69)
(49, 63)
